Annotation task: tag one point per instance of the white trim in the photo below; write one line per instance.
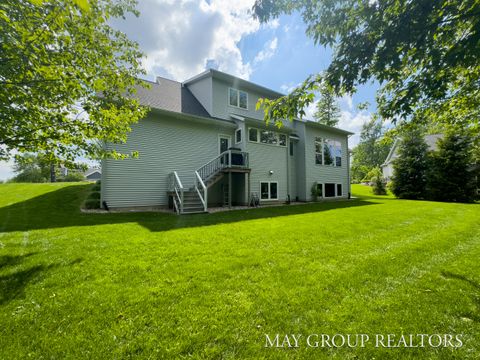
(269, 192)
(229, 137)
(237, 117)
(238, 98)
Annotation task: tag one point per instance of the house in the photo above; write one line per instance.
(203, 144)
(93, 174)
(387, 166)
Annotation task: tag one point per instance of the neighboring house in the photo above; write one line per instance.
(203, 144)
(387, 166)
(93, 174)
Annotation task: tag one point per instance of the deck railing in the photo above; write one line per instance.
(227, 159)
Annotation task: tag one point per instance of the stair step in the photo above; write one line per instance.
(190, 210)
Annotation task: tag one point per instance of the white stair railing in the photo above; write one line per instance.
(177, 188)
(204, 190)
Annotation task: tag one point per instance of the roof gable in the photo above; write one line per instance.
(170, 95)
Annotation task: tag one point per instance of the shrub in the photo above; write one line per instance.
(32, 175)
(92, 204)
(378, 186)
(94, 195)
(72, 177)
(96, 187)
(314, 191)
(98, 182)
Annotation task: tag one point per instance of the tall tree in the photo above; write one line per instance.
(425, 53)
(328, 111)
(56, 58)
(371, 151)
(452, 172)
(410, 167)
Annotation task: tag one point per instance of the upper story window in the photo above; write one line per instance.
(267, 137)
(237, 98)
(328, 152)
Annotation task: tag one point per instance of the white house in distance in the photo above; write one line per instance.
(387, 166)
(204, 144)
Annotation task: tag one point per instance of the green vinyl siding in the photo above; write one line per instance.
(325, 173)
(264, 158)
(165, 145)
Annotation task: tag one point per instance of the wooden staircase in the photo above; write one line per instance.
(192, 204)
(195, 199)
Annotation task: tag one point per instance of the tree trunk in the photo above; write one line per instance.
(52, 173)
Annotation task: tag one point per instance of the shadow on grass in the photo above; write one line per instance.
(9, 260)
(474, 316)
(61, 208)
(12, 285)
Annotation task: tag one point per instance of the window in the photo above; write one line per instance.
(238, 136)
(237, 98)
(318, 151)
(269, 190)
(339, 189)
(329, 190)
(291, 148)
(242, 99)
(328, 152)
(268, 137)
(233, 97)
(253, 135)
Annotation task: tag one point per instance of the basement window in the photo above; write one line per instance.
(269, 190)
(329, 190)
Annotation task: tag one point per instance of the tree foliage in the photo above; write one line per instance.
(56, 57)
(328, 111)
(378, 183)
(37, 168)
(411, 166)
(423, 52)
(372, 149)
(451, 176)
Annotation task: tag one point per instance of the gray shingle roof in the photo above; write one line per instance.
(171, 96)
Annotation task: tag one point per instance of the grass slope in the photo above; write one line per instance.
(156, 285)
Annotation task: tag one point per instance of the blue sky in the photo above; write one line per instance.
(180, 37)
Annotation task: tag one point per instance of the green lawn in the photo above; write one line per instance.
(151, 285)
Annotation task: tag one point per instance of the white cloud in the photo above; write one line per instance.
(267, 52)
(289, 87)
(310, 110)
(179, 37)
(347, 101)
(353, 121)
(6, 170)
(273, 24)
